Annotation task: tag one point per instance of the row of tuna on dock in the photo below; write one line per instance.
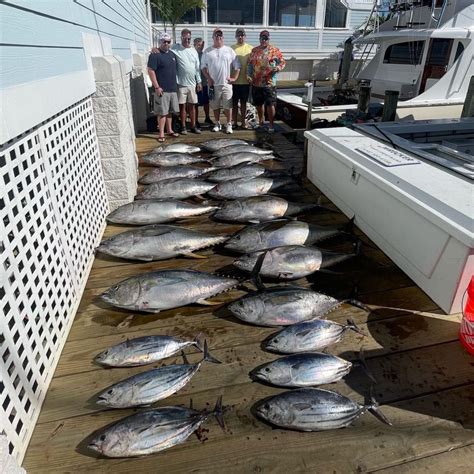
(233, 185)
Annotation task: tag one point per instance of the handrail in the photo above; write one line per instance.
(433, 7)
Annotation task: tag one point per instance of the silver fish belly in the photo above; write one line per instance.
(148, 432)
(308, 336)
(175, 188)
(143, 350)
(169, 172)
(156, 291)
(282, 306)
(310, 409)
(156, 212)
(217, 144)
(303, 370)
(171, 159)
(286, 263)
(157, 242)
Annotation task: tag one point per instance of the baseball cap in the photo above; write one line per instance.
(265, 33)
(240, 31)
(217, 30)
(165, 37)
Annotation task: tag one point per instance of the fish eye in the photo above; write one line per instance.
(275, 340)
(110, 392)
(267, 369)
(266, 406)
(102, 437)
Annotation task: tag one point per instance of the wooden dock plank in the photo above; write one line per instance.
(250, 444)
(411, 348)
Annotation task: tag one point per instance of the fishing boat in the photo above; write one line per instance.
(423, 51)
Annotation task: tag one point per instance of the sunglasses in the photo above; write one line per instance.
(166, 42)
(264, 38)
(218, 35)
(240, 34)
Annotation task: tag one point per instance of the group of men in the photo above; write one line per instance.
(219, 77)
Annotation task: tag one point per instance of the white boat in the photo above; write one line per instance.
(410, 187)
(424, 51)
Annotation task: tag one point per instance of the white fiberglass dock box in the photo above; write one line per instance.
(418, 212)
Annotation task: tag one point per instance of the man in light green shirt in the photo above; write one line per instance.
(241, 87)
(189, 80)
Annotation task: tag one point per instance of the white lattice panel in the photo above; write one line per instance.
(52, 207)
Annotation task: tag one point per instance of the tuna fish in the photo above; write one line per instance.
(262, 209)
(278, 233)
(151, 431)
(171, 159)
(150, 386)
(234, 159)
(158, 242)
(308, 336)
(284, 306)
(156, 291)
(313, 409)
(169, 172)
(175, 188)
(156, 212)
(293, 261)
(144, 350)
(177, 148)
(303, 370)
(229, 150)
(217, 144)
(245, 187)
(244, 170)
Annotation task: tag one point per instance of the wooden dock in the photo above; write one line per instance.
(425, 379)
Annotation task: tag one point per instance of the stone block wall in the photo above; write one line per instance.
(113, 114)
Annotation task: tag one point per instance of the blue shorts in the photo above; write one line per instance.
(203, 96)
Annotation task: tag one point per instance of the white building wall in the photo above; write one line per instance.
(67, 154)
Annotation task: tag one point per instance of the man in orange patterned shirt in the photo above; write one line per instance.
(264, 64)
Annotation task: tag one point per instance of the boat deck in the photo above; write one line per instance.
(425, 379)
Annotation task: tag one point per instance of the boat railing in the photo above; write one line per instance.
(441, 13)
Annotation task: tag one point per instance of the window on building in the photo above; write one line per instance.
(409, 52)
(235, 12)
(292, 13)
(191, 17)
(336, 14)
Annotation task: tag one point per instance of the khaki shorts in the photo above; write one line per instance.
(166, 104)
(187, 95)
(222, 97)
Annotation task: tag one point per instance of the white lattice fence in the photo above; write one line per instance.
(52, 210)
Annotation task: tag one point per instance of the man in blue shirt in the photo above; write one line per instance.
(162, 72)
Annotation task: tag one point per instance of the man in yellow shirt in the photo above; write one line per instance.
(241, 87)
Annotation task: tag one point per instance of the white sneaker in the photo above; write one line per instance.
(217, 127)
(228, 128)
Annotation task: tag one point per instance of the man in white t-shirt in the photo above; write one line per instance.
(217, 63)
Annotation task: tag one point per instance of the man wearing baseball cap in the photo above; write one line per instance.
(217, 63)
(265, 62)
(162, 72)
(241, 87)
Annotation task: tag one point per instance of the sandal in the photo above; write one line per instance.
(173, 134)
(161, 139)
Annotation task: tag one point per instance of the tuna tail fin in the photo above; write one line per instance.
(353, 326)
(208, 357)
(372, 405)
(218, 413)
(349, 226)
(363, 363)
(254, 274)
(199, 341)
(357, 304)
